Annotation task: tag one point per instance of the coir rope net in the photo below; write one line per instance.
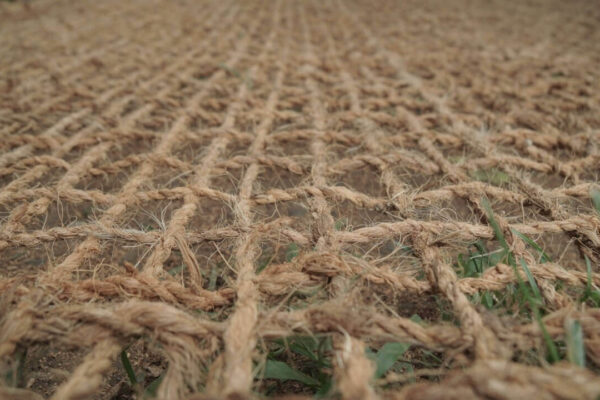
(195, 188)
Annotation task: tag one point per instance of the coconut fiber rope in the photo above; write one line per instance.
(222, 199)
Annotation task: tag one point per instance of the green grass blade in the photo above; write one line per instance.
(588, 267)
(176, 270)
(283, 372)
(534, 287)
(128, 368)
(212, 280)
(550, 345)
(575, 347)
(533, 303)
(463, 266)
(416, 318)
(325, 388)
(341, 224)
(14, 377)
(495, 226)
(493, 176)
(595, 195)
(324, 347)
(497, 231)
(387, 357)
(153, 387)
(291, 252)
(303, 351)
(305, 346)
(590, 292)
(480, 262)
(487, 300)
(544, 257)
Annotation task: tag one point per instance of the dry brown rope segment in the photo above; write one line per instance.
(240, 337)
(219, 178)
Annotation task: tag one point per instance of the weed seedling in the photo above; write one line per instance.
(264, 260)
(214, 274)
(474, 263)
(14, 376)
(301, 359)
(531, 295)
(387, 356)
(590, 293)
(595, 196)
(176, 270)
(575, 348)
(543, 256)
(492, 176)
(128, 368)
(341, 224)
(150, 390)
(291, 252)
(279, 370)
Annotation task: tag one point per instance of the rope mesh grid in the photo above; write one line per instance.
(194, 183)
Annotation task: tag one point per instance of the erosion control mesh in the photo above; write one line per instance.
(220, 199)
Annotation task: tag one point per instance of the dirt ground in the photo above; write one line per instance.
(341, 199)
